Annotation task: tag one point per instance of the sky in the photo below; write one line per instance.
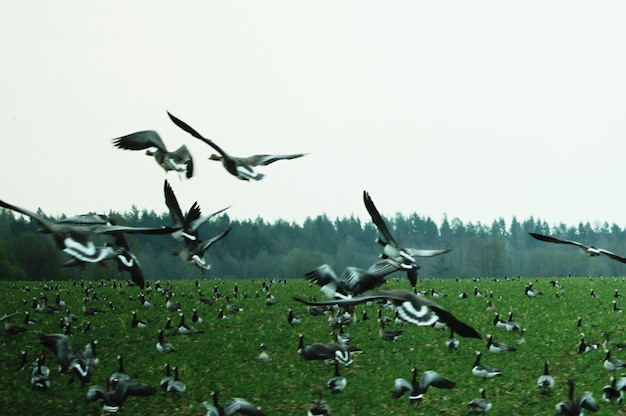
(472, 110)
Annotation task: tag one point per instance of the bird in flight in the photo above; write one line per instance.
(589, 251)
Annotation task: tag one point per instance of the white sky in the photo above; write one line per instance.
(477, 110)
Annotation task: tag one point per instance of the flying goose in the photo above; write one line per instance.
(354, 280)
(576, 406)
(179, 160)
(241, 168)
(545, 382)
(589, 251)
(415, 389)
(405, 257)
(112, 401)
(232, 406)
(411, 307)
(70, 360)
(193, 252)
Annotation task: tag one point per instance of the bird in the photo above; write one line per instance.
(186, 329)
(498, 322)
(120, 374)
(574, 407)
(614, 392)
(483, 371)
(40, 375)
(328, 352)
(498, 347)
(162, 346)
(138, 323)
(584, 347)
(452, 343)
(292, 319)
(353, 280)
(389, 334)
(70, 360)
(165, 380)
(415, 389)
(232, 406)
(263, 355)
(545, 382)
(411, 307)
(112, 401)
(391, 250)
(179, 160)
(613, 364)
(319, 407)
(479, 405)
(511, 325)
(193, 251)
(176, 386)
(530, 292)
(589, 251)
(337, 382)
(241, 168)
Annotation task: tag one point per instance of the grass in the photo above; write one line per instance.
(225, 357)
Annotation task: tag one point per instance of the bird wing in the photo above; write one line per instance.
(204, 246)
(401, 387)
(186, 127)
(377, 219)
(242, 406)
(432, 378)
(7, 316)
(197, 223)
(264, 160)
(549, 239)
(587, 401)
(140, 140)
(135, 388)
(44, 222)
(612, 255)
(417, 252)
(383, 267)
(323, 275)
(172, 204)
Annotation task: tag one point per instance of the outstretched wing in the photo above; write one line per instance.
(549, 239)
(186, 127)
(140, 140)
(377, 219)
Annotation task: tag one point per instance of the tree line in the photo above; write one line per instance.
(259, 249)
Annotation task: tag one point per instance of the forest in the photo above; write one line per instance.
(259, 249)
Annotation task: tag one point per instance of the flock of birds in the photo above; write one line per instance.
(80, 237)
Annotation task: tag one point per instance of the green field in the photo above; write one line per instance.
(224, 358)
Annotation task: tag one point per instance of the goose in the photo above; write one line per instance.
(545, 382)
(40, 375)
(328, 352)
(231, 307)
(120, 374)
(452, 343)
(617, 308)
(483, 370)
(521, 340)
(354, 280)
(614, 392)
(512, 325)
(479, 405)
(382, 318)
(162, 346)
(412, 308)
(263, 355)
(241, 168)
(193, 252)
(138, 323)
(389, 334)
(319, 407)
(498, 322)
(415, 389)
(589, 251)
(584, 347)
(90, 355)
(23, 360)
(576, 406)
(179, 160)
(165, 380)
(70, 361)
(437, 295)
(189, 223)
(176, 386)
(616, 294)
(498, 347)
(405, 257)
(490, 306)
(185, 329)
(232, 406)
(478, 293)
(613, 364)
(337, 382)
(222, 315)
(292, 319)
(530, 292)
(112, 401)
(195, 318)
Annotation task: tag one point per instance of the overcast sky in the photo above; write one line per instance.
(475, 110)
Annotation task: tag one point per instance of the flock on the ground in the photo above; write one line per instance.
(81, 238)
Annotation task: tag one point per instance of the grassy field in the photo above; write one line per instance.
(224, 358)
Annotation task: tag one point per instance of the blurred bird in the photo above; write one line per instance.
(589, 251)
(415, 389)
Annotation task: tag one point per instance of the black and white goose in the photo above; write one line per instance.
(232, 406)
(575, 407)
(613, 364)
(483, 371)
(411, 307)
(389, 334)
(241, 168)
(179, 160)
(498, 347)
(511, 324)
(329, 352)
(112, 401)
(194, 251)
(138, 323)
(415, 389)
(452, 343)
(186, 329)
(545, 382)
(589, 251)
(391, 250)
(583, 347)
(480, 405)
(40, 375)
(70, 361)
(614, 392)
(176, 386)
(165, 380)
(319, 407)
(498, 322)
(162, 346)
(337, 382)
(120, 374)
(530, 292)
(292, 319)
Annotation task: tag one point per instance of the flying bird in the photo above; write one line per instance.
(240, 167)
(411, 307)
(405, 257)
(179, 160)
(416, 389)
(589, 251)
